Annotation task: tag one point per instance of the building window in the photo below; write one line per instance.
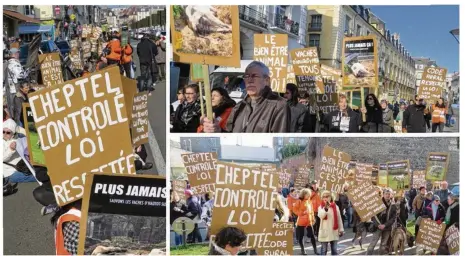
(347, 24)
(359, 30)
(314, 40)
(29, 9)
(316, 22)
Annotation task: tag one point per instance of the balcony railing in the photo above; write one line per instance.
(314, 27)
(252, 16)
(282, 22)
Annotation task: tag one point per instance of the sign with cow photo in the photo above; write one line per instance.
(430, 235)
(419, 179)
(366, 200)
(244, 198)
(201, 171)
(437, 165)
(334, 169)
(398, 175)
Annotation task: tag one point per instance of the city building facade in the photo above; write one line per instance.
(329, 24)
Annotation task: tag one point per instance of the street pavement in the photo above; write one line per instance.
(26, 232)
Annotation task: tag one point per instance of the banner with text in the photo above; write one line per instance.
(364, 172)
(334, 169)
(140, 119)
(453, 240)
(201, 171)
(360, 61)
(50, 68)
(366, 201)
(430, 235)
(279, 240)
(306, 63)
(419, 179)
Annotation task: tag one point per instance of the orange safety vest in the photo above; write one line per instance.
(71, 215)
(439, 115)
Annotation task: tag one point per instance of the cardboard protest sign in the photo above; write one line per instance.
(303, 177)
(430, 235)
(326, 102)
(383, 175)
(77, 123)
(363, 173)
(96, 32)
(334, 169)
(453, 240)
(399, 175)
(74, 44)
(280, 240)
(140, 119)
(86, 31)
(196, 40)
(268, 167)
(36, 155)
(113, 205)
(419, 179)
(437, 166)
(398, 126)
(332, 74)
(244, 198)
(284, 177)
(201, 171)
(360, 61)
(50, 68)
(374, 175)
(306, 63)
(291, 75)
(366, 201)
(433, 76)
(271, 49)
(76, 60)
(93, 46)
(129, 90)
(430, 93)
(86, 49)
(179, 186)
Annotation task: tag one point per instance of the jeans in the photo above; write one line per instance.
(196, 234)
(177, 239)
(324, 247)
(383, 247)
(161, 71)
(440, 125)
(349, 216)
(145, 75)
(448, 117)
(19, 177)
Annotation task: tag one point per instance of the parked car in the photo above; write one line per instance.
(45, 47)
(455, 188)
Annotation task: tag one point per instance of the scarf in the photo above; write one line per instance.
(189, 110)
(449, 211)
(219, 110)
(335, 214)
(435, 210)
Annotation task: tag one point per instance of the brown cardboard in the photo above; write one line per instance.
(255, 191)
(129, 90)
(284, 177)
(366, 200)
(419, 179)
(430, 93)
(50, 68)
(179, 186)
(291, 75)
(334, 169)
(430, 235)
(363, 173)
(307, 63)
(437, 165)
(140, 119)
(366, 48)
(201, 171)
(76, 59)
(86, 49)
(86, 31)
(96, 32)
(453, 240)
(399, 175)
(104, 136)
(280, 240)
(433, 76)
(272, 50)
(302, 178)
(228, 40)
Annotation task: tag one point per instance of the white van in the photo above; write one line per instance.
(235, 85)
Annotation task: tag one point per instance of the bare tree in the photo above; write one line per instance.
(314, 151)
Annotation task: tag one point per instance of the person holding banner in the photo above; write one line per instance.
(262, 111)
(222, 106)
(344, 119)
(331, 225)
(414, 117)
(194, 211)
(228, 242)
(305, 219)
(187, 115)
(20, 98)
(300, 116)
(374, 114)
(383, 221)
(439, 115)
(178, 209)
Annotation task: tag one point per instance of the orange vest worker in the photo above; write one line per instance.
(71, 215)
(304, 219)
(115, 50)
(127, 52)
(438, 115)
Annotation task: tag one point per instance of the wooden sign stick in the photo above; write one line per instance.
(362, 99)
(208, 92)
(202, 110)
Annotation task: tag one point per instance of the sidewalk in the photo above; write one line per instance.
(455, 128)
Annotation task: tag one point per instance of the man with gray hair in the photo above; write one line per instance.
(262, 111)
(443, 193)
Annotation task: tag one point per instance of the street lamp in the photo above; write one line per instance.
(455, 33)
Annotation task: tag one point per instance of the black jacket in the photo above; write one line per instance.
(18, 101)
(374, 115)
(454, 216)
(144, 49)
(180, 124)
(193, 206)
(386, 217)
(176, 214)
(300, 118)
(332, 121)
(414, 119)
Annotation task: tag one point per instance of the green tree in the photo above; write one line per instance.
(291, 150)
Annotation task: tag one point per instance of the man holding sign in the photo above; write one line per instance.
(262, 111)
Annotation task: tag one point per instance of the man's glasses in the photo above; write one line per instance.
(5, 132)
(253, 77)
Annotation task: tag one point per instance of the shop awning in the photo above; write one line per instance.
(32, 29)
(19, 16)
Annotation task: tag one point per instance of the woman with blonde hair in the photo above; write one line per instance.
(305, 219)
(281, 211)
(331, 226)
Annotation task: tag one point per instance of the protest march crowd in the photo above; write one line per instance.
(322, 214)
(265, 111)
(91, 51)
